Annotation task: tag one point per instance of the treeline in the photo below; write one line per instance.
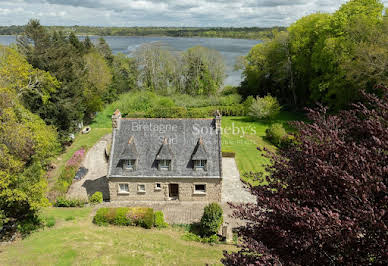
(81, 77)
(322, 58)
(217, 32)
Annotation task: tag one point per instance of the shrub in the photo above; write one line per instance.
(124, 216)
(96, 198)
(170, 112)
(264, 108)
(276, 134)
(49, 221)
(211, 219)
(228, 90)
(159, 220)
(189, 236)
(67, 175)
(248, 103)
(66, 203)
(70, 218)
(228, 154)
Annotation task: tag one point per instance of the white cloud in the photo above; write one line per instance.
(234, 13)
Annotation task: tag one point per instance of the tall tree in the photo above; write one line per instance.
(26, 147)
(326, 201)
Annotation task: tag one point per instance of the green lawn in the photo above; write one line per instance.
(245, 144)
(81, 140)
(80, 242)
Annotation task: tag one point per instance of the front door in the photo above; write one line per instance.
(173, 191)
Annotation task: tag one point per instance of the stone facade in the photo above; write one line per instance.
(152, 193)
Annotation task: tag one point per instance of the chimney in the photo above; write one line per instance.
(116, 119)
(218, 121)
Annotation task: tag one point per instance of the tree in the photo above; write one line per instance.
(125, 73)
(99, 77)
(326, 200)
(26, 146)
(324, 58)
(104, 50)
(204, 71)
(156, 67)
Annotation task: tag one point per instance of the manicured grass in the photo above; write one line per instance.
(245, 144)
(79, 242)
(81, 140)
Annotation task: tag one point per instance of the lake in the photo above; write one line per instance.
(229, 48)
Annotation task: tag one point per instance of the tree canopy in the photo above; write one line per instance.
(325, 58)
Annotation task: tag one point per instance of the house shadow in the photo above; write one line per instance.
(99, 184)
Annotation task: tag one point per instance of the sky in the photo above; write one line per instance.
(198, 13)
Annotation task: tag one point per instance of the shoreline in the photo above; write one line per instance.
(152, 35)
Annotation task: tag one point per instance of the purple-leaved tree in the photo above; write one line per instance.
(326, 202)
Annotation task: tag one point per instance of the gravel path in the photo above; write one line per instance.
(233, 190)
(95, 179)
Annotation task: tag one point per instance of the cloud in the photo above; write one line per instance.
(261, 13)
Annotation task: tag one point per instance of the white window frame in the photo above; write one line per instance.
(156, 186)
(201, 192)
(200, 164)
(129, 164)
(164, 165)
(141, 190)
(120, 191)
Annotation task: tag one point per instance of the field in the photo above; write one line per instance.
(242, 136)
(78, 242)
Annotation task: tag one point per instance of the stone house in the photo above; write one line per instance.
(165, 159)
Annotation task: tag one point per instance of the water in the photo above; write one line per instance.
(229, 48)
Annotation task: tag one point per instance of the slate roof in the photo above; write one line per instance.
(182, 140)
(165, 152)
(130, 151)
(200, 151)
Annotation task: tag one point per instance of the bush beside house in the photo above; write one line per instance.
(125, 216)
(96, 198)
(211, 220)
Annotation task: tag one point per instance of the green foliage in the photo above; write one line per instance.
(66, 203)
(49, 221)
(324, 58)
(159, 220)
(228, 90)
(69, 218)
(27, 145)
(203, 71)
(67, 175)
(212, 219)
(213, 239)
(276, 134)
(265, 108)
(124, 216)
(96, 198)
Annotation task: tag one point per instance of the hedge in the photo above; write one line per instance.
(195, 112)
(125, 216)
(228, 154)
(66, 203)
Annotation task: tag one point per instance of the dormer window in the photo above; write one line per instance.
(129, 164)
(164, 165)
(129, 155)
(199, 156)
(200, 164)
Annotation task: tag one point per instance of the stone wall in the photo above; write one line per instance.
(186, 189)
